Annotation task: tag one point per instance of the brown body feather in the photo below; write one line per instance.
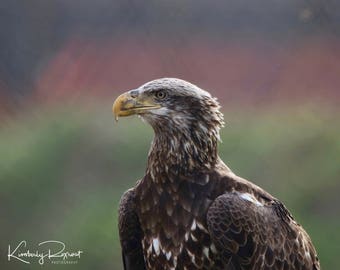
(191, 212)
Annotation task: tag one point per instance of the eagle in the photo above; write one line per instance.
(190, 211)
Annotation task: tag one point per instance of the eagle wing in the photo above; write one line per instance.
(252, 235)
(130, 233)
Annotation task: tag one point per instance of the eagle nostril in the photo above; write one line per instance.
(133, 93)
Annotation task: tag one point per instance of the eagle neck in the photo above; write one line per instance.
(181, 152)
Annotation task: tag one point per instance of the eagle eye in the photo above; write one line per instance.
(161, 94)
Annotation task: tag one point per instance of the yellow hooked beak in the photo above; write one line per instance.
(127, 104)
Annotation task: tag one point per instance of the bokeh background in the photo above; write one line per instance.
(64, 163)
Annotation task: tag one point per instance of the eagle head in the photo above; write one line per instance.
(171, 104)
(185, 118)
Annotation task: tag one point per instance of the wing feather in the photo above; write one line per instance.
(130, 233)
(259, 236)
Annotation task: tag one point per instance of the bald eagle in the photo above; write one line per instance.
(190, 211)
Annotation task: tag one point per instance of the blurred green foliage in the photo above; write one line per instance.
(62, 175)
